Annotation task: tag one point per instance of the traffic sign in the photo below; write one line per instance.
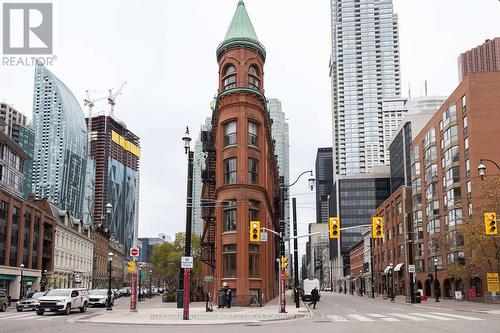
(134, 252)
(263, 236)
(325, 235)
(411, 268)
(186, 262)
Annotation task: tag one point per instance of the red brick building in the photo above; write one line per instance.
(357, 256)
(482, 58)
(245, 184)
(393, 248)
(446, 187)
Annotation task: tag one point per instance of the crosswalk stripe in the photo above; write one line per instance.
(46, 317)
(385, 318)
(405, 316)
(360, 318)
(13, 316)
(456, 316)
(336, 318)
(431, 316)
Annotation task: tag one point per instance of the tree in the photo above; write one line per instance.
(166, 260)
(482, 251)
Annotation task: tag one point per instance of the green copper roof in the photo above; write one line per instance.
(241, 26)
(241, 33)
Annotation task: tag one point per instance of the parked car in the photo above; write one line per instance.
(123, 292)
(30, 301)
(4, 301)
(98, 297)
(63, 300)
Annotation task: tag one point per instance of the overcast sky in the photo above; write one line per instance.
(166, 52)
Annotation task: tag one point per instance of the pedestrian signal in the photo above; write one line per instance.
(284, 262)
(377, 227)
(334, 227)
(490, 223)
(255, 231)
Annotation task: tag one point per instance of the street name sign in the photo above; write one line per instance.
(186, 262)
(209, 278)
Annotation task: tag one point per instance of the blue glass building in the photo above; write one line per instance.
(60, 158)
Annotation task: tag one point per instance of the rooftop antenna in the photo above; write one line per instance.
(409, 90)
(425, 88)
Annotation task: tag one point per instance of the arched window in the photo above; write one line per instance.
(253, 77)
(229, 77)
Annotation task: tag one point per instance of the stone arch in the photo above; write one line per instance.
(427, 289)
(448, 288)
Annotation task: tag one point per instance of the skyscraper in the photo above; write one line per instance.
(324, 183)
(364, 69)
(15, 125)
(59, 164)
(279, 133)
(116, 152)
(198, 167)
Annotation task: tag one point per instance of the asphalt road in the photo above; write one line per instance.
(335, 313)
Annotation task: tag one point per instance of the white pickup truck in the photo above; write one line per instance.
(63, 300)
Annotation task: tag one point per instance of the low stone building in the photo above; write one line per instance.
(74, 248)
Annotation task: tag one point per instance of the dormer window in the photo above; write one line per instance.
(253, 77)
(229, 77)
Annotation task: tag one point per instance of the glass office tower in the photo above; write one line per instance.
(60, 159)
(364, 70)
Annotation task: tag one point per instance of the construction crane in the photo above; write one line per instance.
(112, 98)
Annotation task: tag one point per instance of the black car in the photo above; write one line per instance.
(30, 301)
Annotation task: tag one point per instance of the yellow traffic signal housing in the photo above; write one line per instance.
(284, 262)
(490, 223)
(334, 227)
(377, 227)
(255, 231)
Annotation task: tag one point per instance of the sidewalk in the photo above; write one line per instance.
(158, 313)
(443, 304)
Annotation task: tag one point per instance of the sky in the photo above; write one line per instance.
(165, 50)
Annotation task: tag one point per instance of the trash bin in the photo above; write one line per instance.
(416, 296)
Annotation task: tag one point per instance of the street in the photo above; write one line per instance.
(334, 313)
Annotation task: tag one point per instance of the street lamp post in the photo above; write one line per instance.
(283, 188)
(110, 261)
(436, 292)
(140, 282)
(481, 168)
(183, 282)
(150, 283)
(43, 280)
(391, 272)
(21, 287)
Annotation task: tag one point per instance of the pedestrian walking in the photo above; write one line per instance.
(229, 298)
(314, 296)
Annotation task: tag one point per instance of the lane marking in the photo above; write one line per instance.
(405, 316)
(336, 318)
(431, 316)
(456, 316)
(16, 316)
(385, 318)
(360, 318)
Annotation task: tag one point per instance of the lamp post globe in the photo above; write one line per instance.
(187, 140)
(109, 208)
(109, 299)
(481, 170)
(311, 181)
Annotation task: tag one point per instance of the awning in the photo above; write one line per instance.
(398, 267)
(29, 278)
(386, 270)
(8, 277)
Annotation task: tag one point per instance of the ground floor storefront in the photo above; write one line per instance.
(10, 281)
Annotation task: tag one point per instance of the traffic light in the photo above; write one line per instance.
(334, 227)
(255, 231)
(490, 223)
(377, 227)
(284, 262)
(131, 266)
